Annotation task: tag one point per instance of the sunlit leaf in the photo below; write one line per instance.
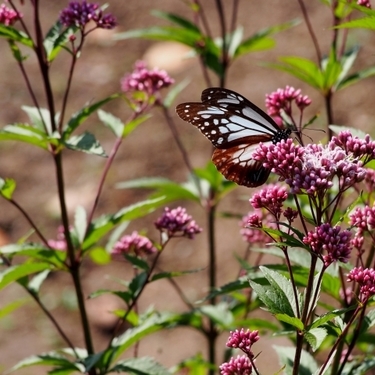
(85, 142)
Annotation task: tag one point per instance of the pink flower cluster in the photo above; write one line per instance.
(243, 340)
(8, 16)
(282, 99)
(363, 218)
(60, 242)
(272, 198)
(330, 243)
(240, 365)
(364, 3)
(366, 280)
(80, 14)
(251, 223)
(177, 223)
(134, 243)
(312, 169)
(145, 80)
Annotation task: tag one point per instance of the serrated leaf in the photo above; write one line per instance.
(17, 54)
(356, 77)
(86, 143)
(362, 23)
(7, 187)
(315, 337)
(168, 275)
(137, 262)
(140, 366)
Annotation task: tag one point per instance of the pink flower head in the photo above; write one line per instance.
(244, 340)
(134, 243)
(366, 280)
(363, 218)
(240, 365)
(354, 146)
(364, 3)
(271, 197)
(79, 14)
(60, 242)
(8, 16)
(145, 80)
(310, 169)
(370, 180)
(282, 99)
(177, 223)
(332, 241)
(251, 223)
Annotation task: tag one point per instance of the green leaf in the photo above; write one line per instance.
(301, 68)
(169, 275)
(152, 324)
(295, 322)
(101, 226)
(112, 122)
(362, 23)
(85, 142)
(7, 187)
(166, 189)
(261, 40)
(132, 125)
(17, 272)
(25, 133)
(40, 118)
(173, 93)
(17, 54)
(55, 40)
(80, 223)
(323, 319)
(11, 33)
(137, 262)
(100, 256)
(220, 314)
(178, 20)
(37, 281)
(286, 355)
(356, 77)
(315, 337)
(52, 358)
(140, 366)
(11, 307)
(79, 117)
(38, 252)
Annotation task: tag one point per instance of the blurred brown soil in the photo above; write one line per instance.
(149, 151)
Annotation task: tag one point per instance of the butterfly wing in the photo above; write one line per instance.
(235, 126)
(236, 164)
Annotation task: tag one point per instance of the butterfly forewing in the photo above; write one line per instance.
(235, 126)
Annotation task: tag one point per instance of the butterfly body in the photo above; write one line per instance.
(235, 126)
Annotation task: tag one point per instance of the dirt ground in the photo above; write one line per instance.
(149, 151)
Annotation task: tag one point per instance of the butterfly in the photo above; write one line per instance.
(235, 126)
